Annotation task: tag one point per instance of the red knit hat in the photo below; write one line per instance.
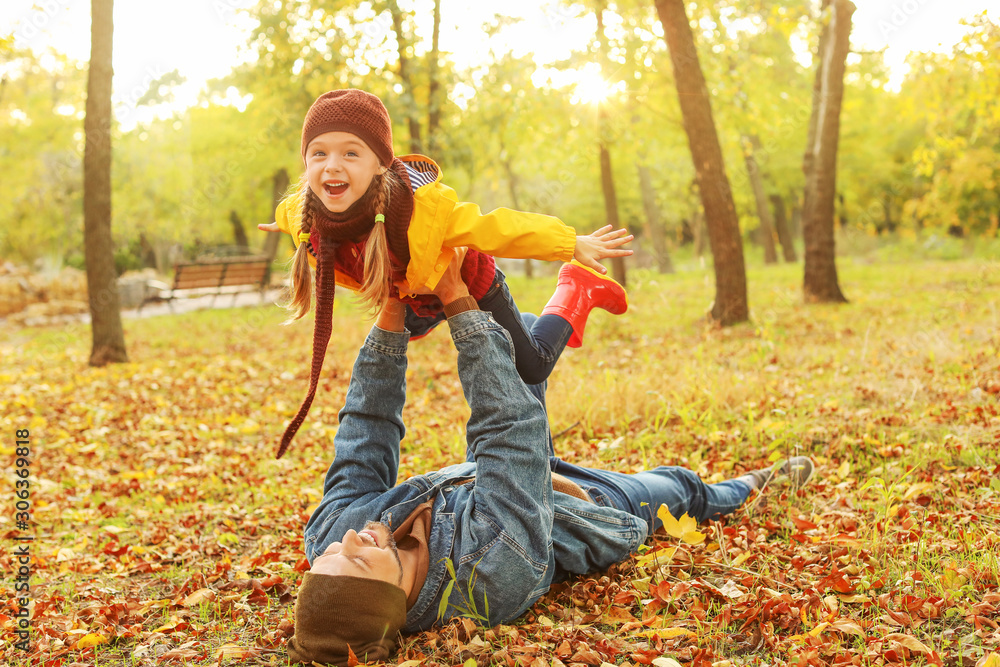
(353, 111)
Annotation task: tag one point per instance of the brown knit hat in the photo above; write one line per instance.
(333, 613)
(353, 111)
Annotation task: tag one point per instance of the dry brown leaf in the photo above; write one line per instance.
(909, 642)
(199, 596)
(617, 615)
(847, 626)
(179, 654)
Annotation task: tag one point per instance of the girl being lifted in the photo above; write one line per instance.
(366, 220)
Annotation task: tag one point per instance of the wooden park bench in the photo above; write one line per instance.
(212, 277)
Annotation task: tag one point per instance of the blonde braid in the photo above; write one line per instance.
(300, 290)
(378, 265)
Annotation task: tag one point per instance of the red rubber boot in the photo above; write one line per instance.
(578, 291)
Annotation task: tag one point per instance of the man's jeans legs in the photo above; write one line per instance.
(641, 494)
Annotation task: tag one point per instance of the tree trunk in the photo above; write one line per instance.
(148, 252)
(607, 176)
(763, 212)
(239, 232)
(889, 225)
(796, 222)
(409, 98)
(102, 289)
(716, 195)
(654, 224)
(698, 231)
(781, 226)
(820, 276)
(279, 185)
(611, 210)
(512, 187)
(433, 101)
(809, 156)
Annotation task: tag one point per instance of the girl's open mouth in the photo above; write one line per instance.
(335, 189)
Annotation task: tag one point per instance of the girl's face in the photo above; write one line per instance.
(340, 167)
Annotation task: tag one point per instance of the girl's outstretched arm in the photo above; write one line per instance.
(602, 244)
(269, 227)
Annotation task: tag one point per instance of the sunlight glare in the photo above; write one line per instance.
(591, 88)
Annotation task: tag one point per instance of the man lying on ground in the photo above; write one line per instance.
(513, 518)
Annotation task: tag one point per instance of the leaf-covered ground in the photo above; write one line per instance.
(164, 531)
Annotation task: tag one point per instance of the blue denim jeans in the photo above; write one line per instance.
(641, 494)
(538, 341)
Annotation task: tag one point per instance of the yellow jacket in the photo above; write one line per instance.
(440, 222)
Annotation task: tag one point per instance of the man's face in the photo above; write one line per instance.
(370, 554)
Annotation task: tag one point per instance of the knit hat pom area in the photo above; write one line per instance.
(355, 111)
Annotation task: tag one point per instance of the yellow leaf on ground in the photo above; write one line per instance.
(234, 652)
(742, 558)
(91, 640)
(685, 529)
(660, 556)
(641, 584)
(992, 660)
(667, 633)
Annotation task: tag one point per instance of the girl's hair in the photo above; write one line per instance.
(378, 262)
(378, 265)
(300, 290)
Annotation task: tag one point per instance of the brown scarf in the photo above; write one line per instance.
(328, 231)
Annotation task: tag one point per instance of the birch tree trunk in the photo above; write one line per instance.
(102, 288)
(820, 282)
(730, 305)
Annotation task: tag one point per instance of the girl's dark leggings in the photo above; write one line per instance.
(538, 341)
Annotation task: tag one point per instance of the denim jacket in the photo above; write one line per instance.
(507, 534)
